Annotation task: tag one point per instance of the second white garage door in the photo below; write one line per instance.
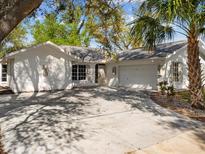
(138, 76)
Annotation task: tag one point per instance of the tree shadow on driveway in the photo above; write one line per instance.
(41, 120)
(49, 122)
(139, 100)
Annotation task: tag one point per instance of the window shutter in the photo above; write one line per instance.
(172, 71)
(180, 72)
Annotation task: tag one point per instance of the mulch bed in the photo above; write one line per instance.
(177, 104)
(5, 90)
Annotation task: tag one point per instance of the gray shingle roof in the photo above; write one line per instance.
(83, 53)
(162, 50)
(98, 55)
(92, 54)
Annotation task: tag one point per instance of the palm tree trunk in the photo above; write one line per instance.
(194, 74)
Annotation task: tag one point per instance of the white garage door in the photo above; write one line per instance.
(138, 76)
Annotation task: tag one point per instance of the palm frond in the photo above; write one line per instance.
(151, 31)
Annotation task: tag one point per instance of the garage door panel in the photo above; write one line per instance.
(143, 76)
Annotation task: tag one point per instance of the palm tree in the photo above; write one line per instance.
(155, 25)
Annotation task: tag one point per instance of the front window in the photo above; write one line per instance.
(79, 72)
(176, 71)
(4, 73)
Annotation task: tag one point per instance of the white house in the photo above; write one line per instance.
(48, 66)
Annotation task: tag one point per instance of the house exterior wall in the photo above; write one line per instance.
(90, 76)
(165, 72)
(155, 74)
(137, 74)
(179, 56)
(202, 61)
(45, 68)
(39, 69)
(111, 78)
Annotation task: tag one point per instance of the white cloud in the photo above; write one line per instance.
(40, 17)
(128, 18)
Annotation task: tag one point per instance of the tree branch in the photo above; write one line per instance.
(81, 26)
(16, 14)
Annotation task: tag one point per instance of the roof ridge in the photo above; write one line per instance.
(177, 42)
(161, 51)
(79, 47)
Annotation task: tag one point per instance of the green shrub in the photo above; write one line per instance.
(165, 89)
(163, 86)
(170, 90)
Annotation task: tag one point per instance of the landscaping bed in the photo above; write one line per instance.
(179, 103)
(5, 90)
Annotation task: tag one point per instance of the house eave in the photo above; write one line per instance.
(46, 44)
(145, 61)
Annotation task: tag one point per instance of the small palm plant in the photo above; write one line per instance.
(155, 24)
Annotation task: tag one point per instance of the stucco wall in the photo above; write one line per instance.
(26, 70)
(112, 79)
(139, 74)
(42, 68)
(202, 61)
(165, 72)
(180, 56)
(90, 76)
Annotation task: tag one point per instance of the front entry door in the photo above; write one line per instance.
(100, 76)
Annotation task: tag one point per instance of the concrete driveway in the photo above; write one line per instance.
(87, 121)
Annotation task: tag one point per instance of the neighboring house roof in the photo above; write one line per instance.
(84, 53)
(161, 51)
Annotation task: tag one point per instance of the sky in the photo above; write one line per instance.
(129, 6)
